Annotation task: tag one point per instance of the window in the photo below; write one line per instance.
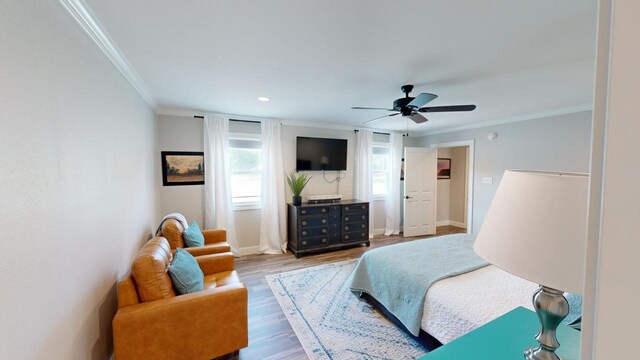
(380, 169)
(245, 157)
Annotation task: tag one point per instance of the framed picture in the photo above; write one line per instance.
(182, 168)
(402, 170)
(444, 168)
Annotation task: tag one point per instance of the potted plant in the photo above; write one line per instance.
(297, 182)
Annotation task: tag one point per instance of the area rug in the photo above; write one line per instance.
(331, 322)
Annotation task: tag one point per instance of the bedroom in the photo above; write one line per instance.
(82, 189)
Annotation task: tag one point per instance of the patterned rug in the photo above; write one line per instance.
(331, 322)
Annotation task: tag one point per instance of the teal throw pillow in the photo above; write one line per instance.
(193, 236)
(185, 273)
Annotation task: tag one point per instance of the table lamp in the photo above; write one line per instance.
(536, 229)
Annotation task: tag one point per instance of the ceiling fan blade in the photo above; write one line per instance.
(421, 99)
(417, 118)
(448, 108)
(378, 118)
(369, 108)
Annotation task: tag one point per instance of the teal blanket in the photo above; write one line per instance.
(399, 275)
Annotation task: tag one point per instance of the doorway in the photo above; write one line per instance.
(454, 186)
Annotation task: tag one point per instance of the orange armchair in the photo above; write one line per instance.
(152, 322)
(215, 241)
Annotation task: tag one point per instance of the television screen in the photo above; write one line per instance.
(321, 154)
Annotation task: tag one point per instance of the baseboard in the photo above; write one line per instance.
(378, 231)
(451, 223)
(249, 250)
(458, 224)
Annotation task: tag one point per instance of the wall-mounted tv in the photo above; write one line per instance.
(321, 154)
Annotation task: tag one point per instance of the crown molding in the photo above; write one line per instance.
(81, 12)
(512, 119)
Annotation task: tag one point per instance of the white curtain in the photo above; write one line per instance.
(273, 231)
(392, 206)
(218, 203)
(362, 177)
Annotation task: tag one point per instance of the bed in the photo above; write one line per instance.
(453, 305)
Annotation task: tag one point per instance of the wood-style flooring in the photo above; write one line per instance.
(270, 335)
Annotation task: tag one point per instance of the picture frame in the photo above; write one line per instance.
(444, 168)
(182, 168)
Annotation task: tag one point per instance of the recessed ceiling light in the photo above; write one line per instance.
(264, 98)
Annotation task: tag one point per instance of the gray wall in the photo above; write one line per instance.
(78, 185)
(560, 143)
(181, 133)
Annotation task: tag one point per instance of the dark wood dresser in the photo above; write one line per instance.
(327, 226)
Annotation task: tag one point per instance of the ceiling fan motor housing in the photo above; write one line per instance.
(400, 104)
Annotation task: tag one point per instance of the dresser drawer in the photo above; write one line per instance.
(334, 234)
(355, 217)
(313, 210)
(314, 242)
(354, 227)
(355, 207)
(314, 231)
(355, 236)
(311, 221)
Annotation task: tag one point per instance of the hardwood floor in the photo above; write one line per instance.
(270, 335)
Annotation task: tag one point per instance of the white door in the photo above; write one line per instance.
(420, 191)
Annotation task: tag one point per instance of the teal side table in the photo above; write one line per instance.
(506, 338)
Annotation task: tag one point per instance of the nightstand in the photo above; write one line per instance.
(506, 338)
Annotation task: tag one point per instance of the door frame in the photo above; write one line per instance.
(470, 167)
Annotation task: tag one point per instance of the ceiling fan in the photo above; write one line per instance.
(411, 107)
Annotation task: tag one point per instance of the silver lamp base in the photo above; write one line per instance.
(552, 307)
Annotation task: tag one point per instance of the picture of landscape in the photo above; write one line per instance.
(182, 168)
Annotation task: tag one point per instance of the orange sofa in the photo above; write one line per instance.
(152, 322)
(215, 240)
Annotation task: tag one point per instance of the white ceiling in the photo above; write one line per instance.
(316, 59)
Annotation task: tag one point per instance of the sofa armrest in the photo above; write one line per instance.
(216, 263)
(213, 236)
(209, 249)
(205, 324)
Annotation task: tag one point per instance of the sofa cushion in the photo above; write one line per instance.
(172, 231)
(185, 273)
(192, 236)
(149, 271)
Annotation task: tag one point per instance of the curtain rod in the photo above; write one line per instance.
(375, 132)
(244, 121)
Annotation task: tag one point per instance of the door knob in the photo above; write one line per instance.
(408, 197)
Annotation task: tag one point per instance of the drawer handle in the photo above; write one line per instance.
(324, 221)
(304, 233)
(304, 243)
(346, 218)
(346, 228)
(363, 206)
(324, 240)
(346, 237)
(304, 223)
(324, 210)
(346, 208)
(363, 217)
(324, 231)
(362, 234)
(362, 226)
(304, 212)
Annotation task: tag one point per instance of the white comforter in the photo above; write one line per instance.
(460, 304)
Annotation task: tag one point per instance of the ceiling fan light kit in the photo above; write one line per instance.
(411, 107)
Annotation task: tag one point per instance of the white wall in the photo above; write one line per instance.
(553, 143)
(458, 190)
(443, 192)
(181, 133)
(78, 185)
(612, 283)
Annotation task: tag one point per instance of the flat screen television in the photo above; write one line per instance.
(321, 154)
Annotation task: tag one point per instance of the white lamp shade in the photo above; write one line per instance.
(536, 228)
